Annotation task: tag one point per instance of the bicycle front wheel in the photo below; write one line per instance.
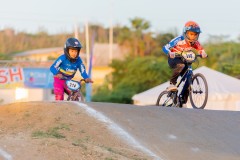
(165, 99)
(199, 91)
(76, 96)
(70, 97)
(80, 97)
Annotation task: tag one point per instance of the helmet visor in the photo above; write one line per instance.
(193, 29)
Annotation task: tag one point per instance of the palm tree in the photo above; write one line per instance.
(139, 25)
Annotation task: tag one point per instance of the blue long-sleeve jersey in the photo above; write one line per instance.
(68, 69)
(167, 48)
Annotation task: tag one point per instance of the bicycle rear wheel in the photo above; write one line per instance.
(166, 99)
(199, 91)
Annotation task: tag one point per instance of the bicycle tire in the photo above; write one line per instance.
(81, 97)
(199, 97)
(78, 96)
(165, 100)
(70, 97)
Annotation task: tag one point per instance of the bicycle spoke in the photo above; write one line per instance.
(199, 91)
(198, 95)
(167, 102)
(165, 99)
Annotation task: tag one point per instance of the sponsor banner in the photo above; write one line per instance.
(38, 78)
(25, 77)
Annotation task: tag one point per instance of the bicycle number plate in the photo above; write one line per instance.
(73, 85)
(189, 56)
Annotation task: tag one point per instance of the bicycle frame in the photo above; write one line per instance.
(188, 76)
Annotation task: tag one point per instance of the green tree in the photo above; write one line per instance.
(161, 40)
(136, 37)
(224, 57)
(132, 76)
(138, 26)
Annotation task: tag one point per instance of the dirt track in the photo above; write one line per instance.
(58, 131)
(50, 130)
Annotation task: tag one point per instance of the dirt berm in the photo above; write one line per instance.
(58, 131)
(108, 131)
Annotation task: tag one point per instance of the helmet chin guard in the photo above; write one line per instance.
(191, 26)
(72, 43)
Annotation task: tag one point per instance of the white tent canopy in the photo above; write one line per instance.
(224, 91)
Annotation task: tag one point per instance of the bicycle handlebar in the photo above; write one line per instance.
(180, 55)
(67, 78)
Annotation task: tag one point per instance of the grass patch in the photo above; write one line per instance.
(122, 153)
(51, 133)
(27, 115)
(48, 134)
(82, 131)
(63, 126)
(79, 143)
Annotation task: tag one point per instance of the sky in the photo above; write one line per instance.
(215, 17)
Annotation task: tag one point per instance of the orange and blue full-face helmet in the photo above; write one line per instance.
(191, 26)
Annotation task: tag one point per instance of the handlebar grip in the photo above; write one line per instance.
(82, 80)
(199, 55)
(178, 55)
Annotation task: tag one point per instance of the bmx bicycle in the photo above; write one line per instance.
(75, 88)
(193, 84)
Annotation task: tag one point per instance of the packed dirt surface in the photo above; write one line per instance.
(171, 133)
(110, 131)
(58, 131)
